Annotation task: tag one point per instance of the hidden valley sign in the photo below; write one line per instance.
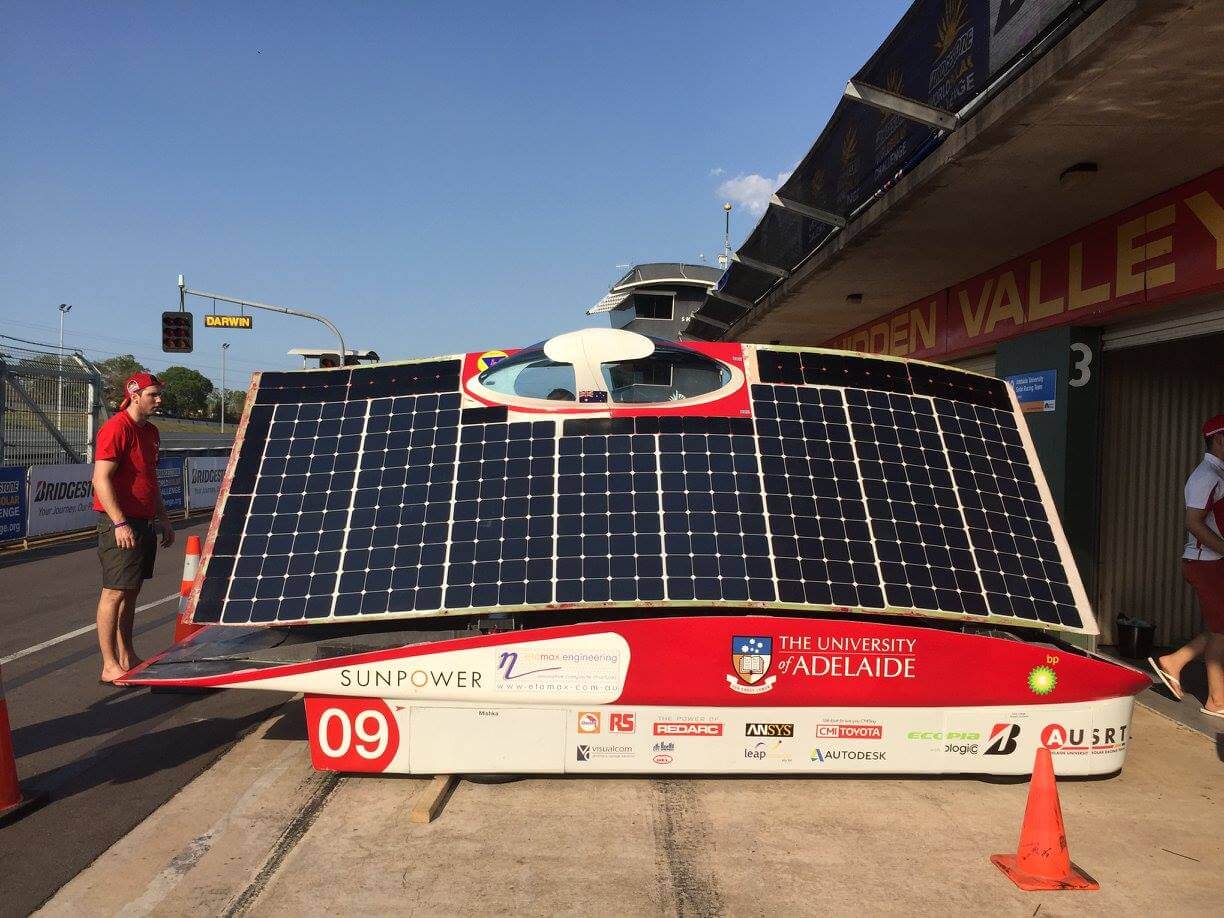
(1165, 249)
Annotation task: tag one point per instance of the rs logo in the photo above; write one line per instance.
(622, 722)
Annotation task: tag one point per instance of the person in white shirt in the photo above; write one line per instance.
(1203, 568)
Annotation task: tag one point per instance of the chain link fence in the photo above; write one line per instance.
(50, 405)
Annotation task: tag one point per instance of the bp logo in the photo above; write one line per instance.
(1042, 680)
(750, 658)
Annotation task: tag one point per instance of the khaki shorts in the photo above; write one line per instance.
(126, 568)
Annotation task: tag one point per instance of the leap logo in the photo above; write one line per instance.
(1003, 739)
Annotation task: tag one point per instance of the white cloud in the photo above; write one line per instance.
(752, 192)
(717, 171)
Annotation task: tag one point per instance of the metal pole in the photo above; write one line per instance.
(224, 348)
(64, 309)
(283, 310)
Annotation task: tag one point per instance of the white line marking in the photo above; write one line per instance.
(71, 634)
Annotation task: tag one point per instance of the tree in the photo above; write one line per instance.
(186, 392)
(235, 399)
(115, 372)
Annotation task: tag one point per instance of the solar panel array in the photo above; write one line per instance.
(857, 483)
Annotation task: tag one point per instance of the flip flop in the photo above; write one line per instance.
(1170, 683)
(1212, 713)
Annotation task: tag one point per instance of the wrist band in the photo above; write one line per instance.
(121, 525)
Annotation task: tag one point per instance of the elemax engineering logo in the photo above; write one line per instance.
(750, 658)
(686, 729)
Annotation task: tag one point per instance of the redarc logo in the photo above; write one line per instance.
(683, 729)
(769, 730)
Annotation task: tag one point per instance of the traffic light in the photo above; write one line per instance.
(177, 331)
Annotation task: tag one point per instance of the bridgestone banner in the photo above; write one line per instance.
(61, 498)
(170, 481)
(12, 503)
(204, 476)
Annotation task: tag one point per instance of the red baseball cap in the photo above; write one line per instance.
(1213, 426)
(134, 384)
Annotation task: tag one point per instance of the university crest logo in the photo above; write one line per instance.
(750, 658)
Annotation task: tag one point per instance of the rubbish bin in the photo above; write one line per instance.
(1135, 638)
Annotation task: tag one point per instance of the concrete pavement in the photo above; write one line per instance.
(261, 833)
(105, 757)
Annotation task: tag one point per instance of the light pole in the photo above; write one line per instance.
(64, 309)
(224, 348)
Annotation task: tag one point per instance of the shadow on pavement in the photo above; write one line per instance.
(116, 711)
(139, 753)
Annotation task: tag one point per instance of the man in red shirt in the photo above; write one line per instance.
(128, 501)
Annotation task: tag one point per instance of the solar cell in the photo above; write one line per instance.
(859, 483)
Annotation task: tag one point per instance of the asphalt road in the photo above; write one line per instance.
(105, 757)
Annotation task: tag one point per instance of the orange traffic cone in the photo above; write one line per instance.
(1042, 860)
(12, 801)
(183, 628)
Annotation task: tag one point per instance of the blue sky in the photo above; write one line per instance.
(434, 177)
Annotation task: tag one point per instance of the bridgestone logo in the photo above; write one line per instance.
(62, 490)
(206, 476)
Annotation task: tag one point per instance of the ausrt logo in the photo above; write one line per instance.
(621, 722)
(1003, 739)
(1056, 737)
(769, 730)
(849, 731)
(670, 729)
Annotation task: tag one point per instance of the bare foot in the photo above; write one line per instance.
(130, 664)
(110, 675)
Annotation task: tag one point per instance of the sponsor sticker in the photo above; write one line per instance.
(1003, 739)
(669, 728)
(850, 731)
(588, 721)
(769, 730)
(1081, 741)
(588, 751)
(622, 722)
(819, 755)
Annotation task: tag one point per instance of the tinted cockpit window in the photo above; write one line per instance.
(670, 374)
(531, 374)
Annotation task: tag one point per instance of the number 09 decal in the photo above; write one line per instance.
(351, 734)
